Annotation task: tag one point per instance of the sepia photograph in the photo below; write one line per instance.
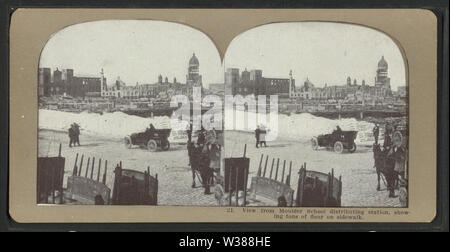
(298, 114)
(112, 96)
(336, 131)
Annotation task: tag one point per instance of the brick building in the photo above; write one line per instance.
(252, 82)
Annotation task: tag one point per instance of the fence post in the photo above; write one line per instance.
(288, 178)
(156, 193)
(75, 170)
(59, 151)
(98, 170)
(104, 173)
(116, 187)
(92, 168)
(282, 173)
(271, 168)
(331, 183)
(259, 167)
(146, 182)
(265, 166)
(87, 167)
(81, 165)
(276, 172)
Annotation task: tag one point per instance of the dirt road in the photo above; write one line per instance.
(174, 174)
(175, 178)
(359, 179)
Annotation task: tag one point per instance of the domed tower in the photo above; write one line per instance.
(382, 80)
(193, 77)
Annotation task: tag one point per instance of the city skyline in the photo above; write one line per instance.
(275, 49)
(324, 52)
(132, 50)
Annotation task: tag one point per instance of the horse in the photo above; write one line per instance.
(384, 165)
(199, 159)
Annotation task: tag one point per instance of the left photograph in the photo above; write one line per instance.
(122, 110)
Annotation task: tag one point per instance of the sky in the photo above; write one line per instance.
(135, 50)
(323, 52)
(140, 50)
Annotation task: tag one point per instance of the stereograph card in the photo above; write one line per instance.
(195, 115)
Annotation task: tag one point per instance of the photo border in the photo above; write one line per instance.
(442, 146)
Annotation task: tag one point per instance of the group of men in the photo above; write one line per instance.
(388, 134)
(74, 134)
(204, 155)
(260, 135)
(394, 151)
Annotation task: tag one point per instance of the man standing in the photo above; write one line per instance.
(189, 131)
(77, 134)
(201, 138)
(387, 136)
(399, 154)
(376, 132)
(262, 136)
(257, 133)
(72, 135)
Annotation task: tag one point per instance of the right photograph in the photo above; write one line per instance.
(315, 115)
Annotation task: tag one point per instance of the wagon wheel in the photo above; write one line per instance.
(338, 147)
(314, 143)
(152, 145)
(165, 145)
(127, 142)
(353, 148)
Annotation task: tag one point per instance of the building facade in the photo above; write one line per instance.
(253, 83)
(351, 90)
(44, 80)
(63, 82)
(163, 88)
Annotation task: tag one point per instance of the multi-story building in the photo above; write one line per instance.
(402, 91)
(65, 83)
(44, 80)
(253, 83)
(85, 85)
(193, 78)
(161, 89)
(350, 91)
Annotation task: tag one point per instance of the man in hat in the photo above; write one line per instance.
(77, 134)
(257, 134)
(262, 136)
(376, 132)
(72, 135)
